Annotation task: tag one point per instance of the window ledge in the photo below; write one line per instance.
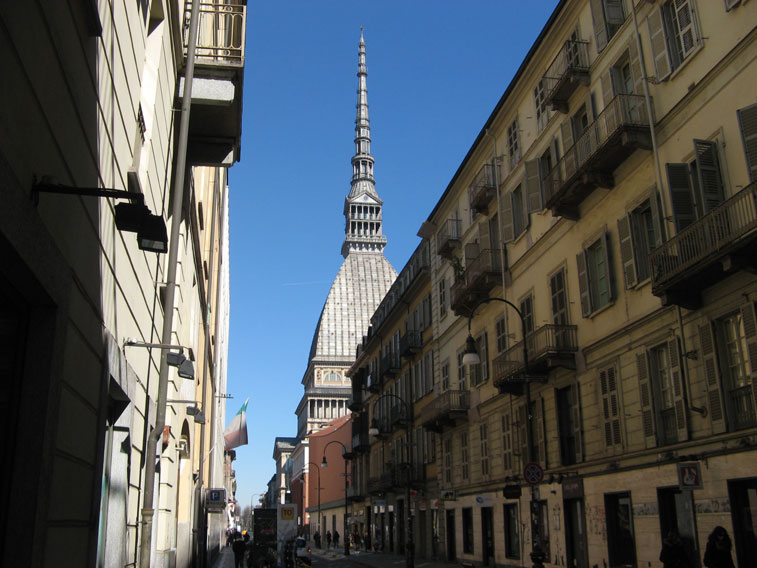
(686, 61)
(598, 311)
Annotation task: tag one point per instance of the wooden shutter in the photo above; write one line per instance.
(484, 357)
(600, 27)
(508, 227)
(569, 156)
(636, 68)
(679, 399)
(708, 173)
(540, 438)
(627, 258)
(608, 266)
(681, 195)
(583, 283)
(608, 90)
(750, 333)
(659, 41)
(712, 374)
(647, 404)
(748, 124)
(686, 26)
(657, 226)
(577, 421)
(614, 13)
(507, 443)
(525, 455)
(534, 197)
(483, 236)
(610, 406)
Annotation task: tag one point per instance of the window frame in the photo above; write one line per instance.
(590, 292)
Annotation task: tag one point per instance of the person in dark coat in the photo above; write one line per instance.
(238, 547)
(317, 539)
(328, 539)
(718, 551)
(673, 554)
(336, 539)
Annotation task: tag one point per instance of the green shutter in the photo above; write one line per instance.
(679, 396)
(659, 41)
(655, 205)
(748, 124)
(508, 228)
(648, 420)
(608, 266)
(534, 196)
(569, 152)
(681, 195)
(627, 259)
(583, 283)
(708, 173)
(712, 375)
(600, 27)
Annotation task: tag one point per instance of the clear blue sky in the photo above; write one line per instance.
(435, 72)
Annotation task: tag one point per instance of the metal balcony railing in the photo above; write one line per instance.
(410, 343)
(448, 236)
(446, 407)
(482, 273)
(742, 405)
(597, 147)
(482, 189)
(718, 231)
(558, 341)
(568, 68)
(221, 35)
(390, 365)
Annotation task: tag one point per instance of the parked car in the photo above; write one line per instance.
(302, 552)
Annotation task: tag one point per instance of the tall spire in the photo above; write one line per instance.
(363, 207)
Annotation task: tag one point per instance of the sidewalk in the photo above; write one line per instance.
(225, 558)
(371, 559)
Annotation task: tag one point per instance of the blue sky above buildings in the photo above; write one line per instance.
(435, 72)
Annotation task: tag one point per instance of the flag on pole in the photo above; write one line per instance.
(236, 432)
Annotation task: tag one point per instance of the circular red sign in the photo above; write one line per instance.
(533, 473)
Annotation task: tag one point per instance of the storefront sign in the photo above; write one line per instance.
(573, 488)
(511, 491)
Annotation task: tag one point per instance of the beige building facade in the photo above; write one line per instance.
(610, 199)
(90, 103)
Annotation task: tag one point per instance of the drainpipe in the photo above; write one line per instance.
(148, 512)
(650, 115)
(685, 382)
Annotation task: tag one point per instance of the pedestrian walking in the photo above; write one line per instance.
(317, 539)
(238, 547)
(718, 551)
(328, 539)
(336, 539)
(673, 553)
(357, 540)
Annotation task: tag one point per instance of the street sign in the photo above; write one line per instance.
(533, 473)
(215, 500)
(448, 495)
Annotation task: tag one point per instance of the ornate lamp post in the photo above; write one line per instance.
(347, 456)
(374, 431)
(318, 470)
(471, 358)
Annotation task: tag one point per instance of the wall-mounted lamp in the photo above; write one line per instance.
(133, 217)
(184, 366)
(191, 410)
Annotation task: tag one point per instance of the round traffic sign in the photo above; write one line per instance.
(533, 473)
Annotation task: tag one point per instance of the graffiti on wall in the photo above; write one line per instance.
(595, 515)
(714, 506)
(645, 510)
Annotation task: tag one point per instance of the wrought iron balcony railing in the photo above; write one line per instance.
(549, 346)
(482, 274)
(390, 365)
(444, 410)
(221, 34)
(694, 253)
(621, 128)
(568, 69)
(483, 189)
(448, 237)
(410, 343)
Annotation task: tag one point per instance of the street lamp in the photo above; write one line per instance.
(471, 357)
(374, 431)
(318, 469)
(347, 456)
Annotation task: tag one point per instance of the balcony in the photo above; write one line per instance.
(382, 483)
(390, 366)
(361, 442)
(355, 404)
(445, 410)
(550, 346)
(410, 344)
(215, 127)
(707, 251)
(384, 425)
(373, 382)
(398, 416)
(448, 237)
(482, 274)
(620, 129)
(566, 72)
(355, 494)
(483, 189)
(417, 472)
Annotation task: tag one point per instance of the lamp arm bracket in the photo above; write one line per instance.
(49, 185)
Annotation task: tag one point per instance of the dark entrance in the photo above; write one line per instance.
(401, 538)
(391, 531)
(743, 496)
(621, 546)
(575, 534)
(677, 514)
(450, 526)
(487, 534)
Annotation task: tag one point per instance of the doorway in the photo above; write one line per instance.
(575, 534)
(487, 535)
(677, 515)
(450, 527)
(621, 544)
(743, 496)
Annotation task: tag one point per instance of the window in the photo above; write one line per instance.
(501, 332)
(674, 35)
(480, 373)
(608, 16)
(507, 442)
(696, 188)
(467, 530)
(512, 543)
(748, 123)
(608, 387)
(445, 376)
(540, 100)
(663, 410)
(428, 373)
(461, 384)
(527, 311)
(559, 298)
(513, 143)
(515, 218)
(442, 298)
(594, 280)
(638, 233)
(569, 424)
(483, 431)
(464, 463)
(448, 461)
(539, 447)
